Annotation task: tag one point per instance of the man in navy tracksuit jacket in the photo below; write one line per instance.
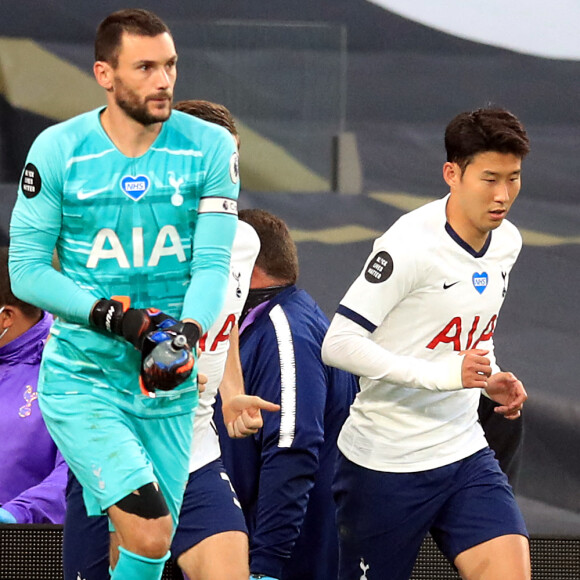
(283, 473)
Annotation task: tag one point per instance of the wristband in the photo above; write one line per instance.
(108, 315)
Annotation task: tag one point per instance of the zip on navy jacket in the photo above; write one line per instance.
(283, 474)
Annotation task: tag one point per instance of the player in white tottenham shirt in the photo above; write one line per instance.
(417, 326)
(215, 345)
(210, 542)
(211, 539)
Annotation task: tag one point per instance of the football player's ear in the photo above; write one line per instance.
(104, 74)
(451, 173)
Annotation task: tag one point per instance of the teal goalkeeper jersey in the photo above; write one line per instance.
(157, 229)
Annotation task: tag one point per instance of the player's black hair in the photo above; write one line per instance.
(7, 298)
(278, 256)
(132, 21)
(211, 112)
(487, 129)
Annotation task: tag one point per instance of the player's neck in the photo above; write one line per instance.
(130, 137)
(470, 235)
(464, 227)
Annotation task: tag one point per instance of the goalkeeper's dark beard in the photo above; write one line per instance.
(134, 107)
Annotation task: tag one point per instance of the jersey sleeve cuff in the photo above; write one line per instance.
(448, 374)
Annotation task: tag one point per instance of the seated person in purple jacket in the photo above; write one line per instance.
(33, 473)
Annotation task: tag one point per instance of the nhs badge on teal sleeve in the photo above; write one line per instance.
(135, 187)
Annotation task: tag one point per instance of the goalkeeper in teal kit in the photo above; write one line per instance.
(140, 204)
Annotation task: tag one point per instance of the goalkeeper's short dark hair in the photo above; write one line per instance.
(212, 112)
(278, 255)
(132, 21)
(7, 297)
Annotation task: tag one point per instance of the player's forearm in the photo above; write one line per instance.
(210, 268)
(35, 281)
(348, 347)
(233, 380)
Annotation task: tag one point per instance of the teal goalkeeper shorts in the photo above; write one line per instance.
(112, 452)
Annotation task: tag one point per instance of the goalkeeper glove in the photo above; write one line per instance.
(133, 324)
(168, 357)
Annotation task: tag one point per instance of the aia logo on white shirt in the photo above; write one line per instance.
(453, 331)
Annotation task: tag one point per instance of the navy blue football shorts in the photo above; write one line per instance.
(383, 517)
(210, 506)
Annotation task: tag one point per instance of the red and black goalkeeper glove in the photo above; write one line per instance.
(168, 357)
(133, 324)
(167, 346)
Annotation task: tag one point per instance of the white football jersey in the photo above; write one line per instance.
(423, 296)
(215, 344)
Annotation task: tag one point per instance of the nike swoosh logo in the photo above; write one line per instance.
(446, 286)
(86, 194)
